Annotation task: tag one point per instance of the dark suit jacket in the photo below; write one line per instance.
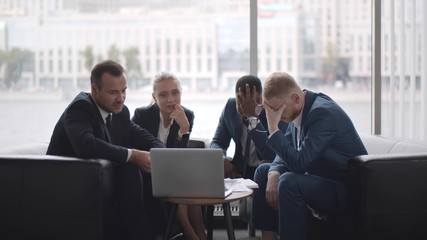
(148, 117)
(328, 140)
(81, 132)
(230, 127)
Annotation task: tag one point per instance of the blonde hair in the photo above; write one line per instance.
(163, 76)
(279, 84)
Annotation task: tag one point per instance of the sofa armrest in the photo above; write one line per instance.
(197, 142)
(388, 194)
(53, 197)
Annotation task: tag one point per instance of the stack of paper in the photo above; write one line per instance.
(239, 184)
(247, 182)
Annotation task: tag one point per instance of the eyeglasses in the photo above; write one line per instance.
(253, 121)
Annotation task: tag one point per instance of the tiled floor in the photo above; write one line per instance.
(240, 230)
(220, 233)
(240, 227)
(240, 234)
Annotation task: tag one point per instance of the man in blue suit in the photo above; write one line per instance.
(234, 124)
(309, 170)
(97, 125)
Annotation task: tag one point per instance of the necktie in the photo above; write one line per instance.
(246, 157)
(109, 126)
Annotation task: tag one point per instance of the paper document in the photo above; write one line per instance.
(248, 182)
(239, 184)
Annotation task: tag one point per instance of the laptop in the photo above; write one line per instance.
(188, 172)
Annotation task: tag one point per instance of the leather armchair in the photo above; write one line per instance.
(52, 197)
(388, 190)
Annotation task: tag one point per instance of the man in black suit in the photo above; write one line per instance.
(97, 125)
(234, 124)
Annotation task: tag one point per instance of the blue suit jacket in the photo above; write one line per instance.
(148, 117)
(230, 127)
(328, 140)
(81, 132)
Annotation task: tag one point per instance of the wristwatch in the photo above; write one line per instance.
(253, 125)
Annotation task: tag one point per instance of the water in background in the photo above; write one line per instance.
(32, 120)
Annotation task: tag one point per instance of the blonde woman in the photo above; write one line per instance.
(172, 123)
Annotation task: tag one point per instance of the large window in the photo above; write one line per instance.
(323, 48)
(47, 49)
(47, 52)
(404, 68)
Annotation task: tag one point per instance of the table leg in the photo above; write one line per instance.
(228, 221)
(209, 221)
(170, 221)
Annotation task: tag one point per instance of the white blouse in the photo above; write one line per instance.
(163, 132)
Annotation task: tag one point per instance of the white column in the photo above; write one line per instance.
(391, 67)
(423, 115)
(412, 57)
(253, 38)
(402, 69)
(376, 67)
(37, 51)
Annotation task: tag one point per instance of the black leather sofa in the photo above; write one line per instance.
(49, 197)
(388, 189)
(53, 197)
